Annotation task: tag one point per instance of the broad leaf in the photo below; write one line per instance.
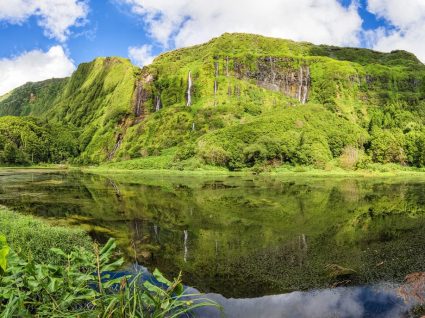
(4, 252)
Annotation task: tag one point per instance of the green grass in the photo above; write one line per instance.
(331, 171)
(32, 239)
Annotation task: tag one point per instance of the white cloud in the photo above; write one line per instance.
(34, 66)
(180, 23)
(142, 55)
(56, 17)
(408, 20)
(400, 13)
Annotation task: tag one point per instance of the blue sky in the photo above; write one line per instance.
(109, 30)
(49, 38)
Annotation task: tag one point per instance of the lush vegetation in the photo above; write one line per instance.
(247, 110)
(47, 281)
(33, 238)
(26, 140)
(32, 98)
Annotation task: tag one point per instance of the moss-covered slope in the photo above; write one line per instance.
(241, 100)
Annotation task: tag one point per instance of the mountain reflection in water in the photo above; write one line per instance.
(241, 236)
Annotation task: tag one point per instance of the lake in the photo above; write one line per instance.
(244, 238)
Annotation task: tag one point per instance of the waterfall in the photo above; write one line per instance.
(157, 103)
(186, 235)
(305, 87)
(189, 89)
(139, 99)
(273, 84)
(193, 129)
(116, 147)
(286, 84)
(215, 81)
(300, 84)
(272, 71)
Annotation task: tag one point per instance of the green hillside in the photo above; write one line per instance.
(32, 98)
(239, 101)
(28, 140)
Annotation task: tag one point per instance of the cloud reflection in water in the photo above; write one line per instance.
(344, 302)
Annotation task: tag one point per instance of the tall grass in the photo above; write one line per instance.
(32, 239)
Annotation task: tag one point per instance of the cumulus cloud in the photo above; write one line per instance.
(180, 23)
(56, 17)
(142, 55)
(34, 66)
(407, 19)
(400, 13)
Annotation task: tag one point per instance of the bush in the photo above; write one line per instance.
(214, 155)
(254, 154)
(185, 152)
(387, 146)
(350, 157)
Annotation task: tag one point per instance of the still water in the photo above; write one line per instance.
(248, 237)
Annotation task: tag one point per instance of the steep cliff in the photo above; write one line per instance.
(192, 105)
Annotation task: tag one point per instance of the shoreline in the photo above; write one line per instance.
(295, 172)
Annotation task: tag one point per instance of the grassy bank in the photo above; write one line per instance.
(159, 166)
(50, 271)
(147, 166)
(33, 239)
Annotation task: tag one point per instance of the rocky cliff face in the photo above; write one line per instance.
(126, 112)
(280, 75)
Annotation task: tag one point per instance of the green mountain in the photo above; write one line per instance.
(238, 101)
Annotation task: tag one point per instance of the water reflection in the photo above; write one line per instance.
(354, 302)
(373, 301)
(240, 236)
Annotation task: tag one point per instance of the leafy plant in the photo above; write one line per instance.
(85, 287)
(4, 252)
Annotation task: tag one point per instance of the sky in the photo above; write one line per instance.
(41, 39)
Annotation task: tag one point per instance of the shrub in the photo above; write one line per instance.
(254, 154)
(350, 157)
(387, 146)
(214, 155)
